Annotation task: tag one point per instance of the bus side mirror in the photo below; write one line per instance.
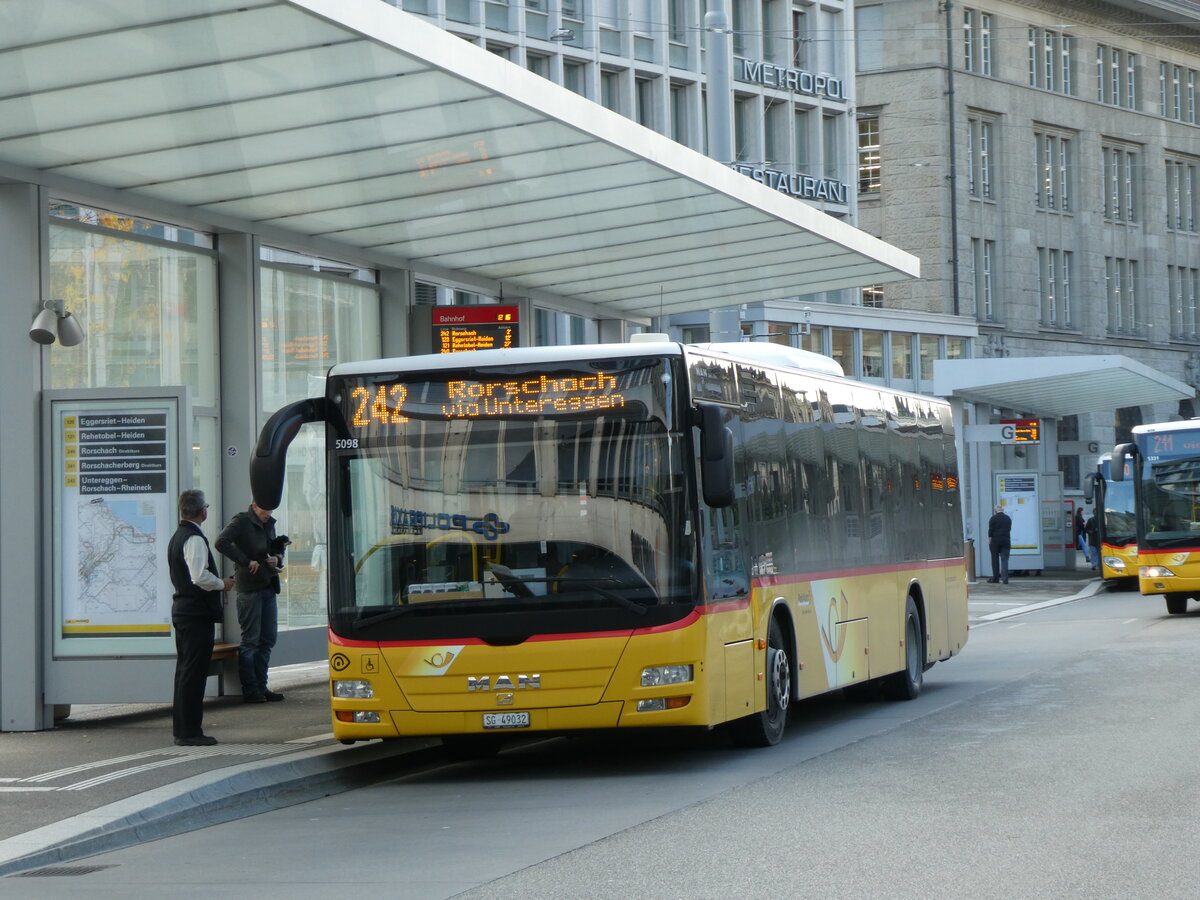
(716, 456)
(1120, 459)
(267, 465)
(1089, 487)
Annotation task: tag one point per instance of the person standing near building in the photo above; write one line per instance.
(1000, 544)
(195, 608)
(249, 541)
(1091, 531)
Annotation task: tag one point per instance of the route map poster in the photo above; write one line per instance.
(1018, 494)
(115, 485)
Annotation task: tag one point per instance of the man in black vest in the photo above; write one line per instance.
(196, 608)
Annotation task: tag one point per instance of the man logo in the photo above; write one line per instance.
(503, 683)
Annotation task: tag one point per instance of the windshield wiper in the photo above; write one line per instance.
(518, 585)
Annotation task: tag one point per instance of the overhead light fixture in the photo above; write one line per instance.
(53, 323)
(562, 34)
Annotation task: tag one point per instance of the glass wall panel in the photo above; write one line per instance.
(308, 324)
(842, 348)
(149, 311)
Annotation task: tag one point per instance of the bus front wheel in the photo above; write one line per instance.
(764, 729)
(1176, 604)
(906, 684)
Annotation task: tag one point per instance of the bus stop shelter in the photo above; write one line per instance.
(352, 130)
(1043, 388)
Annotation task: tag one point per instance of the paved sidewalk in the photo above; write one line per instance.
(111, 776)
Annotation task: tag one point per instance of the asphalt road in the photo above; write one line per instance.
(1054, 758)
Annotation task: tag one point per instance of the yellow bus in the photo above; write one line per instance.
(1163, 461)
(1116, 524)
(620, 536)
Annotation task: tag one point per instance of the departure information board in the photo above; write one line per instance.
(459, 328)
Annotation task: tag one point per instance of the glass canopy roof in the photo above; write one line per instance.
(352, 122)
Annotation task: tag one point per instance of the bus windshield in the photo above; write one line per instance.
(1171, 489)
(1119, 525)
(509, 502)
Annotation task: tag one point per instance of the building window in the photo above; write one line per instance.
(1050, 60)
(1054, 286)
(872, 354)
(677, 13)
(983, 255)
(977, 42)
(1120, 183)
(800, 37)
(610, 90)
(831, 142)
(1116, 76)
(979, 157)
(1184, 285)
(902, 357)
(1181, 195)
(679, 113)
(575, 77)
(868, 37)
(868, 155)
(928, 353)
(1053, 163)
(841, 348)
(1120, 278)
(800, 140)
(538, 64)
(1177, 93)
(1069, 467)
(776, 133)
(745, 121)
(644, 95)
(872, 296)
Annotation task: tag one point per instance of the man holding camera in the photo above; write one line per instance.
(249, 540)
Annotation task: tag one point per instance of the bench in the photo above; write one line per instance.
(216, 666)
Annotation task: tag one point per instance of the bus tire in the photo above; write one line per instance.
(1176, 604)
(906, 684)
(765, 729)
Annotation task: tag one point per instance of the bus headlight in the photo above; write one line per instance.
(358, 717)
(1155, 572)
(653, 676)
(1115, 563)
(353, 690)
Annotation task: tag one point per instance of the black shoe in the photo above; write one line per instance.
(253, 698)
(993, 581)
(1005, 581)
(200, 740)
(273, 696)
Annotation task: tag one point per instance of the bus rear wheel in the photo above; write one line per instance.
(906, 684)
(1176, 604)
(765, 729)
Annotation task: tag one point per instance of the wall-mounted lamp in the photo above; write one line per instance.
(562, 34)
(55, 323)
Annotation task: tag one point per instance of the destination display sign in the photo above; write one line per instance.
(460, 328)
(529, 395)
(1021, 431)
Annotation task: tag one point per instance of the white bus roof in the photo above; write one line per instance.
(1156, 427)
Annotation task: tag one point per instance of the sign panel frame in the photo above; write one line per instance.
(117, 459)
(459, 328)
(1019, 492)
